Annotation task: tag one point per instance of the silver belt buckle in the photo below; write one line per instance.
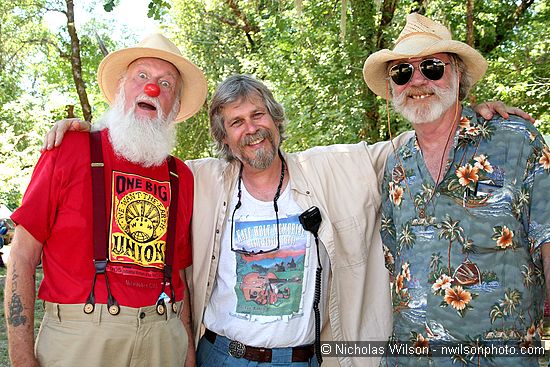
(236, 349)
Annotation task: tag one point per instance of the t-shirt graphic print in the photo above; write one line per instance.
(139, 219)
(270, 284)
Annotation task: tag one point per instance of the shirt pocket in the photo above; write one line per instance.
(349, 239)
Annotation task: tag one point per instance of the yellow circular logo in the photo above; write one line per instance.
(141, 216)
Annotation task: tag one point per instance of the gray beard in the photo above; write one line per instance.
(264, 157)
(421, 114)
(143, 141)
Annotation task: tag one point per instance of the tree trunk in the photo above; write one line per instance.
(470, 23)
(506, 24)
(343, 18)
(299, 6)
(76, 63)
(449, 257)
(362, 41)
(388, 10)
(470, 34)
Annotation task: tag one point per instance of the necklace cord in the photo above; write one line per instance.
(440, 170)
(275, 206)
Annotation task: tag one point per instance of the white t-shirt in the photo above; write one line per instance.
(266, 300)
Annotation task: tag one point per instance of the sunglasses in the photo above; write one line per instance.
(245, 251)
(432, 69)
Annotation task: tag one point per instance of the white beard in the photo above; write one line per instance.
(417, 112)
(144, 141)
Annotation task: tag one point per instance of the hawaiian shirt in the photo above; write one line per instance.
(465, 256)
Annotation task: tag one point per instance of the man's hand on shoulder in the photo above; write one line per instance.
(54, 137)
(488, 109)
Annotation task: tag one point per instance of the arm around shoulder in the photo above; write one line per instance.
(380, 151)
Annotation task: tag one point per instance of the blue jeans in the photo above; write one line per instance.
(216, 355)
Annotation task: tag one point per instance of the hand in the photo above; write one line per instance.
(54, 137)
(488, 109)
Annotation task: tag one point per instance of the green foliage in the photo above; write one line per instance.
(20, 34)
(315, 75)
(314, 71)
(157, 8)
(318, 76)
(109, 5)
(37, 84)
(519, 72)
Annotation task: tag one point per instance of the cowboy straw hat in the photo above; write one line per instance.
(420, 37)
(114, 66)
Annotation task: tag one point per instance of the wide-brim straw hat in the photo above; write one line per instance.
(420, 37)
(194, 87)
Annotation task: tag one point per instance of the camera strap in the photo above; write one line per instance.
(311, 220)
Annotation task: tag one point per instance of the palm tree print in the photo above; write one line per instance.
(506, 307)
(512, 298)
(451, 231)
(388, 226)
(407, 236)
(532, 275)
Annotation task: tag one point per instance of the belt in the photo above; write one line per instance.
(263, 355)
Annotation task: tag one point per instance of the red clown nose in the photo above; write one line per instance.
(152, 90)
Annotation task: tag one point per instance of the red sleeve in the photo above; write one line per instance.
(37, 213)
(37, 210)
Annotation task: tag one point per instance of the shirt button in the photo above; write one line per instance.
(217, 231)
(142, 315)
(213, 257)
(307, 192)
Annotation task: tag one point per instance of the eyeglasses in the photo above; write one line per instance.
(432, 69)
(275, 207)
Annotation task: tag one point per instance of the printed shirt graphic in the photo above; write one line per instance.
(270, 284)
(139, 219)
(265, 299)
(470, 268)
(58, 211)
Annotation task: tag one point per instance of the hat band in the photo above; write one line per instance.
(416, 34)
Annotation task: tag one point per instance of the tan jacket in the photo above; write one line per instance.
(344, 182)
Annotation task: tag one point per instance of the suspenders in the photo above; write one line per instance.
(100, 230)
(170, 237)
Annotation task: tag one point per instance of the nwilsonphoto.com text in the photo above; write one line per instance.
(434, 349)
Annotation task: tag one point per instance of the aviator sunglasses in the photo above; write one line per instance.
(432, 69)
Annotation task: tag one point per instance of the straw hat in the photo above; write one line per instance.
(114, 65)
(420, 37)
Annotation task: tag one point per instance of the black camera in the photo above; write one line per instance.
(311, 219)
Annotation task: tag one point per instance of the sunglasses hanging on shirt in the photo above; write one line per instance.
(275, 207)
(432, 69)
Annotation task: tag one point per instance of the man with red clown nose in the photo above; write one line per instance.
(108, 214)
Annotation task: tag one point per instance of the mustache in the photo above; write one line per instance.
(261, 134)
(414, 91)
(142, 97)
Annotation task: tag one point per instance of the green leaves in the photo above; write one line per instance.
(109, 5)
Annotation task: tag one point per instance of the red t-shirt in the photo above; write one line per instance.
(57, 211)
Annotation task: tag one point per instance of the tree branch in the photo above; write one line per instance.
(76, 63)
(242, 23)
(388, 11)
(505, 25)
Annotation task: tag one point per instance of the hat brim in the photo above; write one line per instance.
(194, 86)
(375, 68)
